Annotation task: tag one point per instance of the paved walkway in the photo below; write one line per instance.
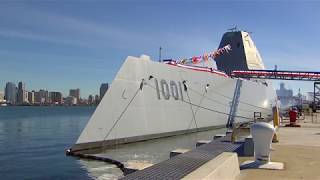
(181, 165)
(298, 149)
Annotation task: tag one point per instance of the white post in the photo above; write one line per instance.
(262, 134)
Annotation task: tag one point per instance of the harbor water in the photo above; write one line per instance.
(33, 141)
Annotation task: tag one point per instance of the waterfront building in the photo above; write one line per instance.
(75, 93)
(11, 93)
(25, 94)
(41, 97)
(300, 99)
(21, 95)
(285, 96)
(96, 99)
(44, 96)
(103, 89)
(31, 97)
(36, 97)
(70, 101)
(310, 96)
(83, 102)
(56, 97)
(90, 99)
(1, 96)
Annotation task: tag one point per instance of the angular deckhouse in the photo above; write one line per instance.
(148, 99)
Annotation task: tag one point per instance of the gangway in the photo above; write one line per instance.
(275, 74)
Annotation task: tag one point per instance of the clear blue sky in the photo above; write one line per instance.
(58, 45)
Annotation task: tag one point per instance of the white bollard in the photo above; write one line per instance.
(262, 134)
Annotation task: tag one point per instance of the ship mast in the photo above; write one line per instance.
(160, 53)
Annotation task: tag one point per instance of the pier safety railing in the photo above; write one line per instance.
(275, 74)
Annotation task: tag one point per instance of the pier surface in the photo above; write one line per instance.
(184, 164)
(298, 149)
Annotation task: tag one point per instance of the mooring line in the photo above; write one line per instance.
(122, 113)
(193, 115)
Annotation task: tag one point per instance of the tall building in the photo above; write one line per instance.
(21, 98)
(310, 96)
(96, 99)
(103, 89)
(285, 96)
(75, 93)
(56, 97)
(26, 94)
(70, 101)
(90, 99)
(11, 93)
(42, 97)
(1, 96)
(31, 97)
(37, 98)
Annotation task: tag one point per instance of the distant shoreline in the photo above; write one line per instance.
(48, 105)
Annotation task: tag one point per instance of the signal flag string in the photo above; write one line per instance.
(205, 57)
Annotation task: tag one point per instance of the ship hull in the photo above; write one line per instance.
(150, 100)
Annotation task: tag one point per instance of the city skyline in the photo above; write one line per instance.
(65, 92)
(20, 95)
(64, 45)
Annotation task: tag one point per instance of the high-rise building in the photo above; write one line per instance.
(285, 95)
(56, 97)
(37, 98)
(11, 93)
(31, 97)
(43, 97)
(71, 101)
(310, 96)
(90, 99)
(96, 99)
(75, 93)
(1, 96)
(21, 98)
(103, 89)
(26, 100)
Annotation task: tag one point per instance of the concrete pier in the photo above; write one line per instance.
(202, 142)
(178, 152)
(225, 166)
(204, 160)
(298, 149)
(219, 136)
(133, 166)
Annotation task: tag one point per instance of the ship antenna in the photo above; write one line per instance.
(160, 53)
(249, 32)
(233, 29)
